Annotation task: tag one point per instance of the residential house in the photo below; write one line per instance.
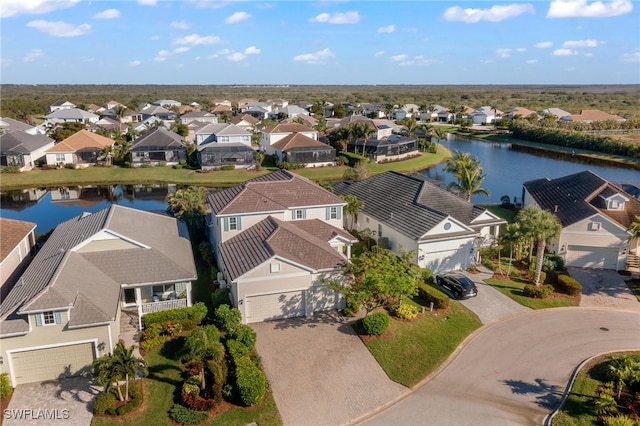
(203, 116)
(222, 145)
(127, 116)
(276, 238)
(245, 121)
(158, 146)
(225, 102)
(305, 120)
(520, 112)
(159, 112)
(93, 108)
(273, 134)
(297, 148)
(591, 115)
(406, 111)
(383, 128)
(23, 150)
(555, 112)
(82, 149)
(408, 213)
(61, 104)
(9, 125)
(257, 110)
(108, 126)
(485, 115)
(70, 115)
(17, 245)
(289, 111)
(94, 270)
(167, 103)
(220, 110)
(148, 123)
(373, 110)
(392, 148)
(595, 216)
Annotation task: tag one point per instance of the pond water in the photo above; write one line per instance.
(508, 166)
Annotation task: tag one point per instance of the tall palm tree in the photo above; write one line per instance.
(439, 133)
(352, 208)
(107, 374)
(465, 167)
(540, 226)
(634, 228)
(191, 205)
(128, 364)
(366, 132)
(512, 237)
(411, 125)
(120, 111)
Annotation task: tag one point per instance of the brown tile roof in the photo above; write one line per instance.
(272, 237)
(275, 191)
(322, 230)
(219, 109)
(594, 115)
(288, 128)
(245, 117)
(81, 140)
(11, 233)
(297, 140)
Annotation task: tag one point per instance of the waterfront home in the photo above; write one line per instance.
(23, 150)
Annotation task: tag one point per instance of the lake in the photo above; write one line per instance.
(508, 166)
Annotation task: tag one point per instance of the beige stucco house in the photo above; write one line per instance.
(66, 308)
(16, 247)
(83, 149)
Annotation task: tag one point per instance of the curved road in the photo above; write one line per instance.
(514, 371)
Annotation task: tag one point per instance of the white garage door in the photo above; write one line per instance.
(322, 298)
(274, 306)
(52, 363)
(592, 257)
(450, 260)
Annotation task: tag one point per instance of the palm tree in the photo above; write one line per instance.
(107, 374)
(120, 111)
(512, 237)
(439, 133)
(468, 173)
(366, 132)
(634, 228)
(128, 364)
(191, 205)
(410, 125)
(540, 226)
(622, 371)
(352, 208)
(200, 345)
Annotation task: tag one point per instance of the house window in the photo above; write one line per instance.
(299, 214)
(48, 318)
(595, 226)
(615, 204)
(275, 267)
(59, 158)
(333, 213)
(233, 223)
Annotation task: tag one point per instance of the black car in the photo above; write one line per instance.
(458, 284)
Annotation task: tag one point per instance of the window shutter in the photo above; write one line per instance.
(226, 223)
(304, 213)
(239, 223)
(38, 320)
(293, 214)
(339, 212)
(328, 213)
(58, 317)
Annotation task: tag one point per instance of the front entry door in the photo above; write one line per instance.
(129, 296)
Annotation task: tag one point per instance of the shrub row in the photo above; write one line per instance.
(568, 285)
(251, 383)
(196, 313)
(225, 317)
(375, 324)
(428, 294)
(186, 416)
(537, 292)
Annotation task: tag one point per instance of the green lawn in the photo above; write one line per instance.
(634, 286)
(219, 178)
(410, 350)
(513, 289)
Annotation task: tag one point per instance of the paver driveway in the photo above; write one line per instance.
(604, 289)
(320, 371)
(66, 402)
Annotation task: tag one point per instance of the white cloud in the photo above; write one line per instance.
(584, 9)
(134, 63)
(147, 2)
(107, 14)
(180, 25)
(352, 17)
(163, 55)
(237, 17)
(251, 50)
(418, 60)
(564, 52)
(33, 7)
(543, 45)
(572, 44)
(197, 40)
(318, 57)
(532, 61)
(380, 53)
(236, 57)
(521, 49)
(33, 55)
(494, 14)
(388, 29)
(181, 50)
(631, 57)
(399, 58)
(59, 28)
(266, 6)
(503, 53)
(209, 4)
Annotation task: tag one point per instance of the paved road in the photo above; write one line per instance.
(514, 371)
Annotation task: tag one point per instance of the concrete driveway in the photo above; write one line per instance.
(515, 371)
(490, 305)
(320, 371)
(604, 289)
(56, 402)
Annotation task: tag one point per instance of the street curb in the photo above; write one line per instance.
(549, 419)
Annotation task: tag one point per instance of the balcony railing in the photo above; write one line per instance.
(147, 308)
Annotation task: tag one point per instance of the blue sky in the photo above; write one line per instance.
(320, 42)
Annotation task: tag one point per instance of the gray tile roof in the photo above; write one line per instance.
(71, 114)
(272, 237)
(157, 139)
(222, 129)
(410, 205)
(275, 191)
(58, 275)
(576, 197)
(9, 124)
(19, 142)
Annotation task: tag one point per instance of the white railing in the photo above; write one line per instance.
(147, 308)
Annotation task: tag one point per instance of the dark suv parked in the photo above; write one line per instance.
(458, 284)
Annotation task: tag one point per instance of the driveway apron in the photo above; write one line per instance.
(604, 289)
(320, 371)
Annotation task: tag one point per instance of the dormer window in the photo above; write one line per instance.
(48, 318)
(595, 226)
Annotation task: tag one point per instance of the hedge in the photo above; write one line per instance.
(568, 285)
(251, 382)
(5, 385)
(376, 323)
(185, 416)
(537, 292)
(103, 402)
(225, 317)
(243, 334)
(428, 294)
(196, 313)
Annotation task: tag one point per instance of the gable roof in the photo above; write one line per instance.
(298, 140)
(576, 197)
(277, 191)
(20, 142)
(71, 114)
(410, 205)
(158, 250)
(222, 129)
(289, 128)
(12, 231)
(10, 125)
(158, 138)
(272, 237)
(83, 139)
(589, 115)
(245, 117)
